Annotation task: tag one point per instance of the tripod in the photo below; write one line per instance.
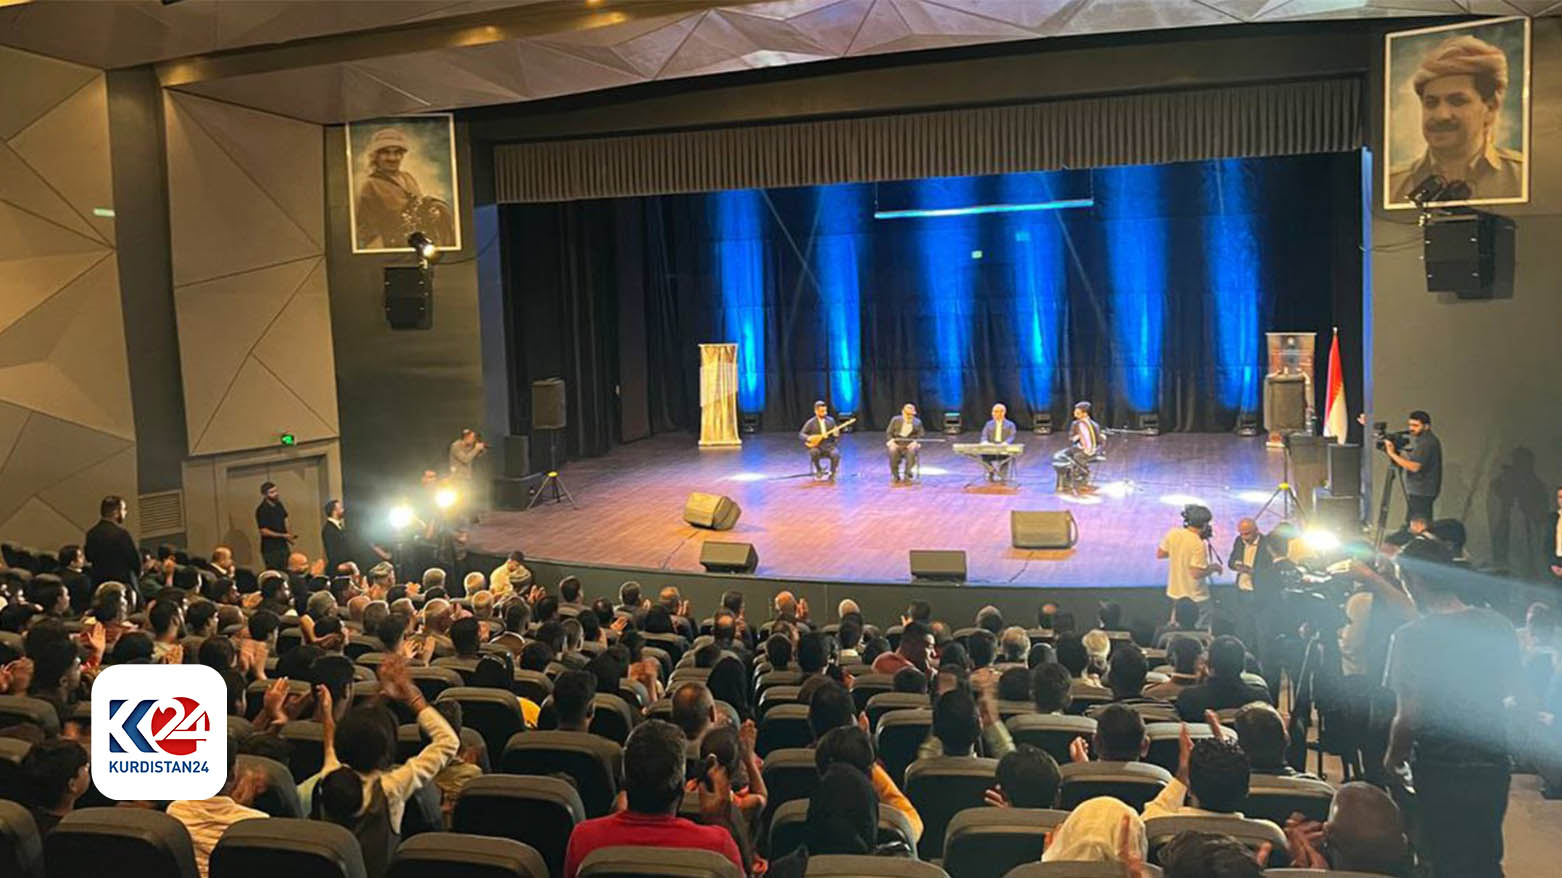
(1394, 475)
(552, 487)
(1282, 492)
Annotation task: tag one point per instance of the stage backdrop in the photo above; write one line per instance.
(1152, 296)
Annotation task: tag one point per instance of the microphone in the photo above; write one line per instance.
(1429, 189)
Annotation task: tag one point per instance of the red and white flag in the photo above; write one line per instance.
(1336, 422)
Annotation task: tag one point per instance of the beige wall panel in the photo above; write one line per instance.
(21, 187)
(40, 526)
(48, 452)
(48, 82)
(297, 348)
(28, 283)
(23, 235)
(78, 496)
(69, 146)
(256, 412)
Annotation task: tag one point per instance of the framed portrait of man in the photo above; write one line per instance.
(1456, 115)
(403, 177)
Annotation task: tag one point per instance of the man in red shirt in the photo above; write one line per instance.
(653, 785)
(916, 644)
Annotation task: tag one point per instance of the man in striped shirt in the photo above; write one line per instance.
(208, 819)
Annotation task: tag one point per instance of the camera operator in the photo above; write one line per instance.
(1193, 559)
(1421, 458)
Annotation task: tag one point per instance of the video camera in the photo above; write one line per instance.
(1194, 515)
(1380, 432)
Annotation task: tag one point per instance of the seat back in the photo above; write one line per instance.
(1164, 741)
(307, 738)
(494, 713)
(849, 866)
(777, 678)
(463, 666)
(1150, 713)
(1277, 798)
(865, 686)
(255, 694)
(897, 737)
(790, 775)
(1253, 833)
(592, 761)
(1077, 870)
(433, 681)
(940, 788)
(21, 849)
(1132, 783)
(12, 752)
(776, 696)
(1052, 732)
(786, 725)
(135, 841)
(980, 842)
(280, 798)
(540, 812)
(629, 861)
(612, 719)
(884, 702)
(453, 855)
(295, 848)
(687, 675)
(17, 709)
(535, 686)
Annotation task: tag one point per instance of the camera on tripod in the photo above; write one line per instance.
(1194, 515)
(1380, 432)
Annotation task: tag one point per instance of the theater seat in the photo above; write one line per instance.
(1077, 870)
(453, 855)
(307, 738)
(291, 848)
(785, 725)
(684, 675)
(790, 774)
(1052, 732)
(981, 842)
(494, 713)
(866, 686)
(534, 686)
(788, 822)
(15, 709)
(1132, 783)
(1253, 833)
(536, 811)
(1164, 740)
(884, 702)
(940, 788)
(613, 718)
(12, 752)
(280, 798)
(21, 850)
(255, 694)
(130, 841)
(776, 696)
(1331, 873)
(897, 737)
(1277, 798)
(432, 681)
(628, 861)
(410, 741)
(463, 666)
(845, 866)
(592, 761)
(777, 678)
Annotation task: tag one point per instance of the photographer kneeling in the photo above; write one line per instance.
(1419, 453)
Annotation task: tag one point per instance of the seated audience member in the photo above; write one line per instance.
(483, 604)
(1014, 685)
(162, 623)
(1098, 830)
(207, 819)
(843, 818)
(1224, 687)
(474, 582)
(1027, 778)
(1098, 646)
(56, 668)
(1125, 675)
(814, 652)
(1051, 688)
(694, 712)
(909, 680)
(573, 694)
(1364, 833)
(1013, 645)
(1215, 770)
(654, 759)
(466, 637)
(727, 682)
(982, 648)
(849, 636)
(462, 768)
(1073, 655)
(134, 648)
(201, 620)
(536, 656)
(1261, 732)
(54, 774)
(1184, 620)
(1109, 616)
(959, 722)
(1207, 855)
(990, 619)
(1120, 737)
(1041, 654)
(916, 645)
(778, 652)
(733, 750)
(834, 721)
(496, 671)
(1184, 654)
(872, 648)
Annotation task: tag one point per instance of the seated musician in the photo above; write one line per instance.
(900, 437)
(1073, 463)
(998, 431)
(820, 425)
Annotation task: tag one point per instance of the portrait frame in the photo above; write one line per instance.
(380, 205)
(1403, 141)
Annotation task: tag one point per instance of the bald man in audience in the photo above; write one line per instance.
(1364, 833)
(846, 608)
(437, 616)
(355, 608)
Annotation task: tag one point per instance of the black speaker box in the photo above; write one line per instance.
(1050, 529)
(1469, 254)
(720, 557)
(1308, 469)
(714, 511)
(514, 492)
(517, 456)
(1344, 470)
(548, 404)
(1342, 515)
(1285, 403)
(939, 565)
(409, 297)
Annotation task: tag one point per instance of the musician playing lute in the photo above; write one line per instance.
(819, 437)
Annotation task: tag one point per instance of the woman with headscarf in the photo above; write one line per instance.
(843, 818)
(1095, 832)
(728, 683)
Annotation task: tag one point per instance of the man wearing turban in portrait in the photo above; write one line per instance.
(391, 205)
(1461, 85)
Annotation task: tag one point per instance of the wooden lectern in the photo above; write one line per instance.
(719, 396)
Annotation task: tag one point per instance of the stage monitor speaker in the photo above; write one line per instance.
(517, 456)
(1308, 469)
(548, 404)
(514, 492)
(938, 565)
(720, 557)
(714, 511)
(1285, 403)
(1344, 470)
(1469, 254)
(1038, 529)
(409, 297)
(1341, 515)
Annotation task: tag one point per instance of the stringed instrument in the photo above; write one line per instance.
(814, 440)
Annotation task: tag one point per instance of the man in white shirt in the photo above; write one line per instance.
(208, 819)
(1192, 561)
(1215, 770)
(509, 576)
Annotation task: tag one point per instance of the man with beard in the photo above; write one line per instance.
(390, 203)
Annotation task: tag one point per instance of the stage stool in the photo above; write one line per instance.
(884, 702)
(940, 788)
(453, 855)
(630, 861)
(897, 737)
(494, 713)
(1253, 833)
(16, 709)
(853, 866)
(865, 686)
(1132, 783)
(537, 811)
(432, 681)
(790, 774)
(1164, 737)
(787, 830)
(1081, 870)
(130, 841)
(1052, 732)
(534, 686)
(612, 719)
(295, 848)
(775, 696)
(990, 841)
(592, 761)
(1276, 798)
(785, 725)
(21, 849)
(280, 798)
(463, 666)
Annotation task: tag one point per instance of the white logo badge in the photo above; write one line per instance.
(159, 732)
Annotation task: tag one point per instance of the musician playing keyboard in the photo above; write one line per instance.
(998, 431)
(821, 424)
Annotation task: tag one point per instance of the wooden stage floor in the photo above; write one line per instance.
(860, 527)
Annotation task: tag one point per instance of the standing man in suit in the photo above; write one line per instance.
(271, 520)
(900, 437)
(998, 431)
(819, 425)
(110, 549)
(1556, 539)
(334, 537)
(1252, 561)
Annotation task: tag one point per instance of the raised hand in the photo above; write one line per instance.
(715, 793)
(995, 798)
(1078, 750)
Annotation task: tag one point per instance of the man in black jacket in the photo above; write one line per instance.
(900, 437)
(333, 536)
(1225, 687)
(110, 549)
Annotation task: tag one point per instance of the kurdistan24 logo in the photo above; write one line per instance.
(168, 726)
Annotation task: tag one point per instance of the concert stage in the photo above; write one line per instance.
(860, 528)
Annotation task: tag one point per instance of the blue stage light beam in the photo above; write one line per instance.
(944, 246)
(1036, 242)
(1136, 248)
(740, 263)
(839, 209)
(1232, 260)
(979, 209)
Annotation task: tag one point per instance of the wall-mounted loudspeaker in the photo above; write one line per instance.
(938, 565)
(713, 511)
(720, 557)
(548, 411)
(409, 297)
(1469, 254)
(1043, 529)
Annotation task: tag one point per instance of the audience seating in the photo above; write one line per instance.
(494, 713)
(369, 657)
(453, 855)
(774, 696)
(663, 710)
(131, 841)
(12, 752)
(1133, 783)
(255, 694)
(410, 740)
(295, 848)
(628, 861)
(365, 692)
(1253, 833)
(536, 811)
(785, 725)
(307, 738)
(982, 842)
(432, 681)
(940, 787)
(1081, 702)
(884, 702)
(1331, 873)
(661, 657)
(1150, 713)
(16, 709)
(672, 644)
(21, 850)
(633, 693)
(280, 798)
(865, 686)
(897, 737)
(459, 664)
(534, 686)
(790, 774)
(1076, 870)
(777, 678)
(613, 718)
(1052, 732)
(592, 761)
(684, 675)
(1277, 798)
(844, 866)
(788, 822)
(1164, 741)
(1008, 710)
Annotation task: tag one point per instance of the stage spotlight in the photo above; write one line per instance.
(843, 418)
(1181, 500)
(1149, 423)
(424, 246)
(1116, 490)
(400, 516)
(444, 498)
(1320, 541)
(952, 423)
(1041, 423)
(931, 471)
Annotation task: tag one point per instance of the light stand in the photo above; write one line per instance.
(1283, 492)
(552, 486)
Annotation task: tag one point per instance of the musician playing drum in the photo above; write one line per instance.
(819, 437)
(1073, 463)
(998, 431)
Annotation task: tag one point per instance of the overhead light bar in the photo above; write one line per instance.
(978, 209)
